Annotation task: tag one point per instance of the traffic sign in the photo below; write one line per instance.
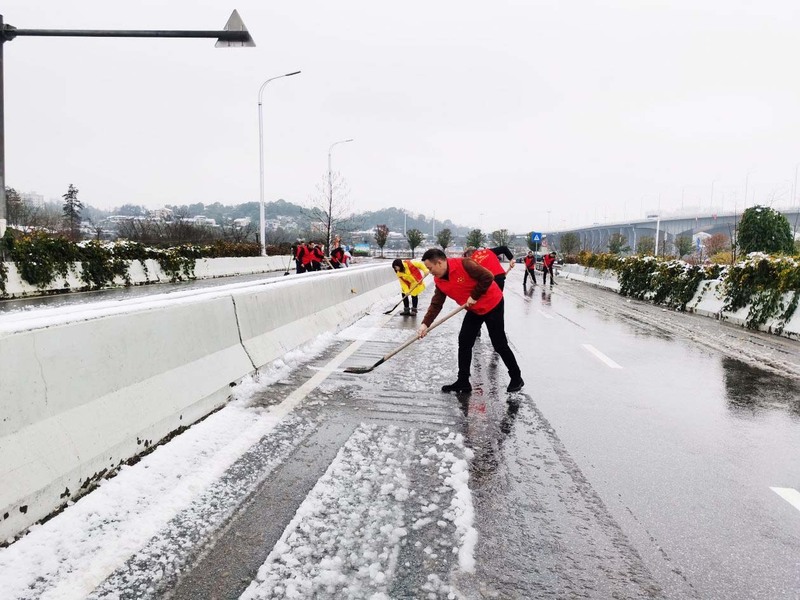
(536, 237)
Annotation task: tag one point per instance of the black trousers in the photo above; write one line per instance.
(545, 271)
(532, 273)
(495, 323)
(300, 267)
(414, 301)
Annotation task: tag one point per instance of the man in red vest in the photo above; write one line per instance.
(466, 282)
(490, 258)
(547, 267)
(530, 268)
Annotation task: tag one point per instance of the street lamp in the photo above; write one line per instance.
(330, 192)
(261, 221)
(233, 34)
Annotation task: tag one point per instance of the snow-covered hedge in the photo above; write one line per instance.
(768, 285)
(40, 259)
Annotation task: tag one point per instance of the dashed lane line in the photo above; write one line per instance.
(610, 363)
(791, 495)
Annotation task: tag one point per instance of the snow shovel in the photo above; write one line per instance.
(406, 344)
(391, 310)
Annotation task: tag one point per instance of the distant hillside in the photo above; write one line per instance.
(394, 218)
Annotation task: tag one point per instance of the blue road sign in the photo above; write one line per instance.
(536, 237)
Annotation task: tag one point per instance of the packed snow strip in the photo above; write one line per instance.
(344, 539)
(70, 555)
(155, 568)
(348, 534)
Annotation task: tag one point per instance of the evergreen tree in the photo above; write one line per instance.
(381, 236)
(444, 238)
(72, 212)
(570, 243)
(763, 229)
(414, 237)
(475, 238)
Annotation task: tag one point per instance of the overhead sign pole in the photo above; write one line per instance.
(234, 34)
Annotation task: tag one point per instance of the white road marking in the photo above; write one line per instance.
(545, 315)
(601, 356)
(791, 495)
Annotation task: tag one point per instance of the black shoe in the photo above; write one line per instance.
(459, 387)
(405, 312)
(516, 384)
(413, 311)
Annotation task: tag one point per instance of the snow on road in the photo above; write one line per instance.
(187, 480)
(346, 537)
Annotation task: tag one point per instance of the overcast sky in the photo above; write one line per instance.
(525, 115)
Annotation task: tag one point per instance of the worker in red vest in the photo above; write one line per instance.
(317, 254)
(410, 273)
(300, 259)
(308, 257)
(547, 267)
(530, 268)
(490, 258)
(337, 257)
(466, 282)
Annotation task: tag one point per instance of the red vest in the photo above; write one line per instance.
(307, 257)
(488, 259)
(548, 260)
(415, 272)
(459, 286)
(530, 262)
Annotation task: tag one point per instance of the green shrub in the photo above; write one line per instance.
(761, 281)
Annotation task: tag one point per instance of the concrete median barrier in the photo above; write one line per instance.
(83, 394)
(144, 272)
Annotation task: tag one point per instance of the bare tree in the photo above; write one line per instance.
(718, 242)
(330, 207)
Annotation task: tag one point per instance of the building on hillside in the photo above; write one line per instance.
(160, 214)
(32, 199)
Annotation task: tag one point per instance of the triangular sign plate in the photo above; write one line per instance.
(235, 23)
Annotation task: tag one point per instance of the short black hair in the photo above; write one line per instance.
(434, 254)
(398, 263)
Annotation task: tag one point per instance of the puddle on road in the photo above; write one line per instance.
(750, 390)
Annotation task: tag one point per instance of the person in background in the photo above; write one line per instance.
(300, 260)
(317, 254)
(347, 256)
(308, 257)
(410, 273)
(547, 267)
(470, 284)
(490, 258)
(530, 268)
(337, 255)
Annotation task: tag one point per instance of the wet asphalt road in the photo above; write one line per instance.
(637, 462)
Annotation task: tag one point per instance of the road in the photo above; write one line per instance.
(651, 454)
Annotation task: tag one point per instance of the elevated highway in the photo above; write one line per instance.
(595, 237)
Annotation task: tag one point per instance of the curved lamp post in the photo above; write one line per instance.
(262, 222)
